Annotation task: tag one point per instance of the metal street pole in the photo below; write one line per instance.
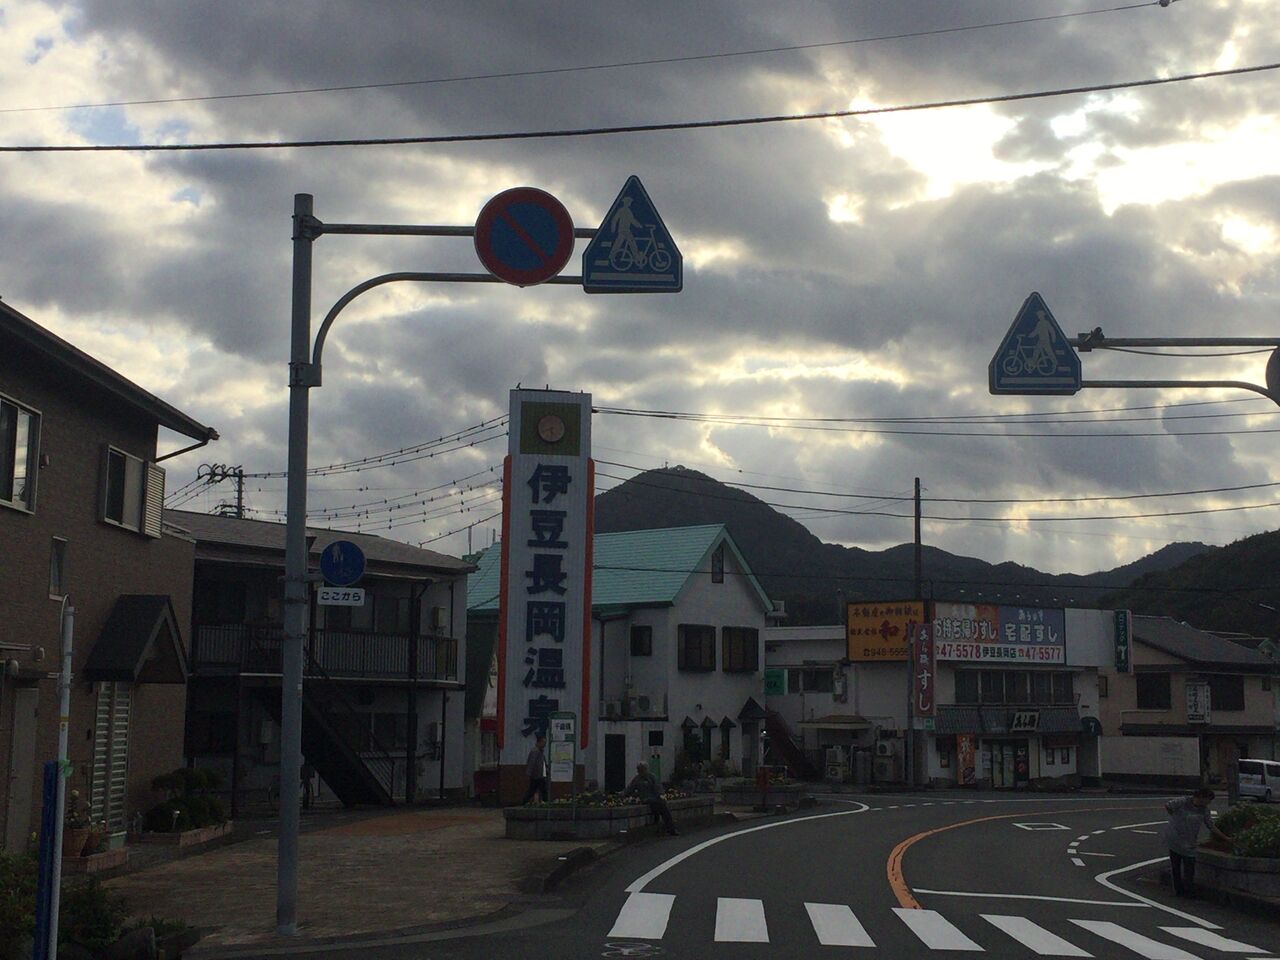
(295, 572)
(68, 626)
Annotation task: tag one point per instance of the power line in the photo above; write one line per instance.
(905, 497)
(581, 68)
(450, 533)
(629, 128)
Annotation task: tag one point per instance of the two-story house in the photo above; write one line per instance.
(81, 526)
(382, 691)
(1194, 700)
(677, 656)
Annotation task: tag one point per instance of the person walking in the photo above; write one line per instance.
(536, 769)
(644, 787)
(1181, 833)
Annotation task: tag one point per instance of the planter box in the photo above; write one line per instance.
(1255, 876)
(595, 823)
(779, 794)
(190, 838)
(107, 860)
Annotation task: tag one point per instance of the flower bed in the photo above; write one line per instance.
(189, 838)
(561, 821)
(1252, 865)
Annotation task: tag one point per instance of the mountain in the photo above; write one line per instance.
(1231, 588)
(810, 575)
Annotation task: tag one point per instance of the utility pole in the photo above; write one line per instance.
(919, 556)
(216, 473)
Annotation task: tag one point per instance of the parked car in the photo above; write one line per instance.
(1260, 779)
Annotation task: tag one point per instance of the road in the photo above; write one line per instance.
(884, 876)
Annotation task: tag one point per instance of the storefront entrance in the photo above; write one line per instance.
(1008, 762)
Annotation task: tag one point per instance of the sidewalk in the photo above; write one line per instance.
(391, 871)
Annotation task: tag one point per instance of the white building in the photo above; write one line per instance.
(676, 660)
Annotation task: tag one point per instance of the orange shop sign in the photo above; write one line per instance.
(878, 630)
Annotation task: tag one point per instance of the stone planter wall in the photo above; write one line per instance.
(596, 823)
(748, 795)
(190, 838)
(1255, 876)
(95, 863)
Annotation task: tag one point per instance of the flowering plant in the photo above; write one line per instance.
(76, 815)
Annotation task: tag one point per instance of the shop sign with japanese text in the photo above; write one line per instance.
(922, 674)
(544, 620)
(997, 634)
(878, 630)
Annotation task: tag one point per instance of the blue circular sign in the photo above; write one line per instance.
(524, 236)
(342, 563)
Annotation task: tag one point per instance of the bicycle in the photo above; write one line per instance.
(1029, 358)
(634, 254)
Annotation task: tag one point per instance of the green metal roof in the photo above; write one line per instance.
(635, 568)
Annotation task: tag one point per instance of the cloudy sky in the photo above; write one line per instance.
(861, 268)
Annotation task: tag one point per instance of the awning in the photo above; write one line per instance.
(139, 643)
(837, 722)
(950, 720)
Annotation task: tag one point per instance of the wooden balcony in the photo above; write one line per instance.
(231, 649)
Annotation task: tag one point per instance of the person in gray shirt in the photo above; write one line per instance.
(1181, 834)
(644, 787)
(536, 769)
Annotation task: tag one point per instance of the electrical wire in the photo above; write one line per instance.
(581, 68)
(469, 526)
(1188, 353)
(581, 132)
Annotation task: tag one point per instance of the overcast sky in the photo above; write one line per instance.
(846, 268)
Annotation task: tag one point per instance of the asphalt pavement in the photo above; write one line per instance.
(877, 876)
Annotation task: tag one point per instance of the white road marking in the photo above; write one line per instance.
(641, 882)
(1077, 861)
(1096, 832)
(740, 921)
(1143, 946)
(643, 917)
(1130, 826)
(1028, 896)
(1087, 854)
(1148, 832)
(836, 926)
(1105, 880)
(935, 931)
(1035, 937)
(1082, 839)
(1207, 938)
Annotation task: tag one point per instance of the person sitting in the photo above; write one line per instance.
(644, 787)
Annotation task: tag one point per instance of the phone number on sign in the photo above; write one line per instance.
(947, 650)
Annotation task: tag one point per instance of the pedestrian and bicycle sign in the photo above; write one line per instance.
(1035, 356)
(632, 252)
(524, 236)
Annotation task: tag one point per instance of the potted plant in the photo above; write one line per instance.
(75, 826)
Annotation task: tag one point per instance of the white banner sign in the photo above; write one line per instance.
(1198, 701)
(340, 596)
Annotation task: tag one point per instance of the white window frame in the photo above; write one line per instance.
(143, 496)
(28, 503)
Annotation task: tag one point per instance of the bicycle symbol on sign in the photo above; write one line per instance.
(628, 251)
(1034, 354)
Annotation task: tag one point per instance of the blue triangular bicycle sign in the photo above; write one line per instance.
(632, 252)
(1035, 356)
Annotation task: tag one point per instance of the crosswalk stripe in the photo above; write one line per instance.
(1143, 946)
(836, 926)
(1207, 938)
(935, 931)
(644, 916)
(1034, 936)
(740, 921)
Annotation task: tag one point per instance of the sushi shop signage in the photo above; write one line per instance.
(998, 634)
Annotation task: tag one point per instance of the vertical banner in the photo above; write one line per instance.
(966, 751)
(544, 617)
(923, 679)
(1124, 622)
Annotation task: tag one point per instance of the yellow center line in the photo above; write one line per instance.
(893, 866)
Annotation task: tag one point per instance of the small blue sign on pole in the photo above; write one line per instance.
(342, 563)
(1035, 356)
(633, 251)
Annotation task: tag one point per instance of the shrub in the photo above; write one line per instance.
(198, 811)
(217, 813)
(17, 900)
(1243, 816)
(169, 783)
(161, 818)
(91, 916)
(1260, 840)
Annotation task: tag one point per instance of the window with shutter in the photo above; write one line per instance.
(153, 508)
(132, 492)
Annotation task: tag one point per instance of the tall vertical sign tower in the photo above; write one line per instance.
(544, 623)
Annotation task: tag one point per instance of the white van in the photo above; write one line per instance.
(1260, 778)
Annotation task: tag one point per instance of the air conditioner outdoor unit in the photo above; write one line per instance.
(437, 619)
(612, 708)
(643, 704)
(884, 769)
(884, 749)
